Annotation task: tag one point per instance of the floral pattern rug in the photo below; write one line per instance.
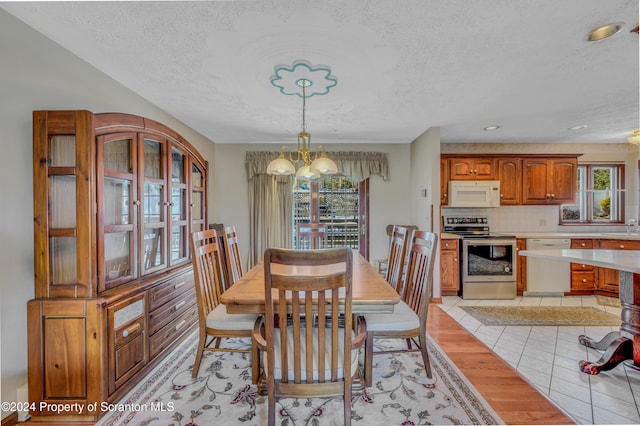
(222, 394)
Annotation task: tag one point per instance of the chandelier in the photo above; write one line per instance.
(315, 164)
(634, 137)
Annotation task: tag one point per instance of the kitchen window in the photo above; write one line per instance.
(600, 195)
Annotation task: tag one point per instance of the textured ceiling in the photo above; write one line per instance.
(402, 66)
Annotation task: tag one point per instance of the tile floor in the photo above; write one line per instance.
(548, 357)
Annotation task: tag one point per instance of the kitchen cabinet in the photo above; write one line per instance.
(510, 177)
(521, 264)
(115, 199)
(444, 181)
(549, 180)
(472, 168)
(583, 277)
(449, 267)
(608, 280)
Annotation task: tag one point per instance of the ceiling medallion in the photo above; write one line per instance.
(319, 79)
(305, 81)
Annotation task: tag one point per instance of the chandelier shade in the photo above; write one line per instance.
(634, 137)
(314, 164)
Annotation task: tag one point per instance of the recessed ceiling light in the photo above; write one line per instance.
(489, 128)
(579, 127)
(604, 31)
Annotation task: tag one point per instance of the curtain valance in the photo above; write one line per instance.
(357, 165)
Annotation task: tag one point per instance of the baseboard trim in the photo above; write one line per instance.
(11, 419)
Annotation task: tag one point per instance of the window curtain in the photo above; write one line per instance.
(271, 197)
(270, 206)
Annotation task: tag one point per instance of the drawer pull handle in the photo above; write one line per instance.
(621, 246)
(180, 324)
(584, 280)
(582, 244)
(179, 305)
(135, 327)
(178, 285)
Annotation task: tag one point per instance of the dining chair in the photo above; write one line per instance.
(232, 251)
(397, 252)
(409, 318)
(310, 236)
(307, 351)
(214, 322)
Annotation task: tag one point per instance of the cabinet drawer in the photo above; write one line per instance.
(168, 334)
(583, 280)
(170, 289)
(130, 357)
(581, 267)
(449, 244)
(581, 243)
(620, 244)
(169, 311)
(128, 332)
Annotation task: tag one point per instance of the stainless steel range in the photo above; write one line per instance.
(488, 267)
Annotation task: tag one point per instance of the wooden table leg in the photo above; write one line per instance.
(618, 348)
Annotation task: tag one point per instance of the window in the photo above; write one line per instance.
(600, 196)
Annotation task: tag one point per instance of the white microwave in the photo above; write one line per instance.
(474, 193)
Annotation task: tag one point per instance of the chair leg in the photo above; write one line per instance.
(347, 403)
(425, 354)
(255, 363)
(271, 400)
(368, 359)
(200, 350)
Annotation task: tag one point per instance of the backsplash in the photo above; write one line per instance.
(528, 219)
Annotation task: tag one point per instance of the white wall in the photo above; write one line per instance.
(37, 74)
(546, 218)
(389, 200)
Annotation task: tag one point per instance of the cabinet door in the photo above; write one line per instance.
(197, 203)
(563, 181)
(178, 207)
(510, 176)
(444, 182)
(117, 192)
(534, 181)
(449, 267)
(152, 163)
(472, 169)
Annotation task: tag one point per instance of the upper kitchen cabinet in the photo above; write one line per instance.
(510, 177)
(549, 180)
(472, 168)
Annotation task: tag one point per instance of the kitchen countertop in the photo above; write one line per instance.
(622, 260)
(597, 235)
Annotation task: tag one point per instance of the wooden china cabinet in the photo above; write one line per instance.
(115, 199)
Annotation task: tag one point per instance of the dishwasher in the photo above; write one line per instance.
(546, 277)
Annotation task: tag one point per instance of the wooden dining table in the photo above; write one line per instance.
(371, 293)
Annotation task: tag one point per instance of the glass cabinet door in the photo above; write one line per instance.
(154, 206)
(62, 218)
(119, 203)
(178, 250)
(197, 198)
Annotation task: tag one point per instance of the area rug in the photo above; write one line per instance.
(542, 315)
(222, 394)
(608, 301)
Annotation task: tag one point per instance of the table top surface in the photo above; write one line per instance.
(622, 260)
(370, 291)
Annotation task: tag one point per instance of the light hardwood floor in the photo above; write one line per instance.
(510, 395)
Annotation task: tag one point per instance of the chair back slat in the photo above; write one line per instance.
(205, 257)
(419, 278)
(233, 259)
(397, 252)
(311, 236)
